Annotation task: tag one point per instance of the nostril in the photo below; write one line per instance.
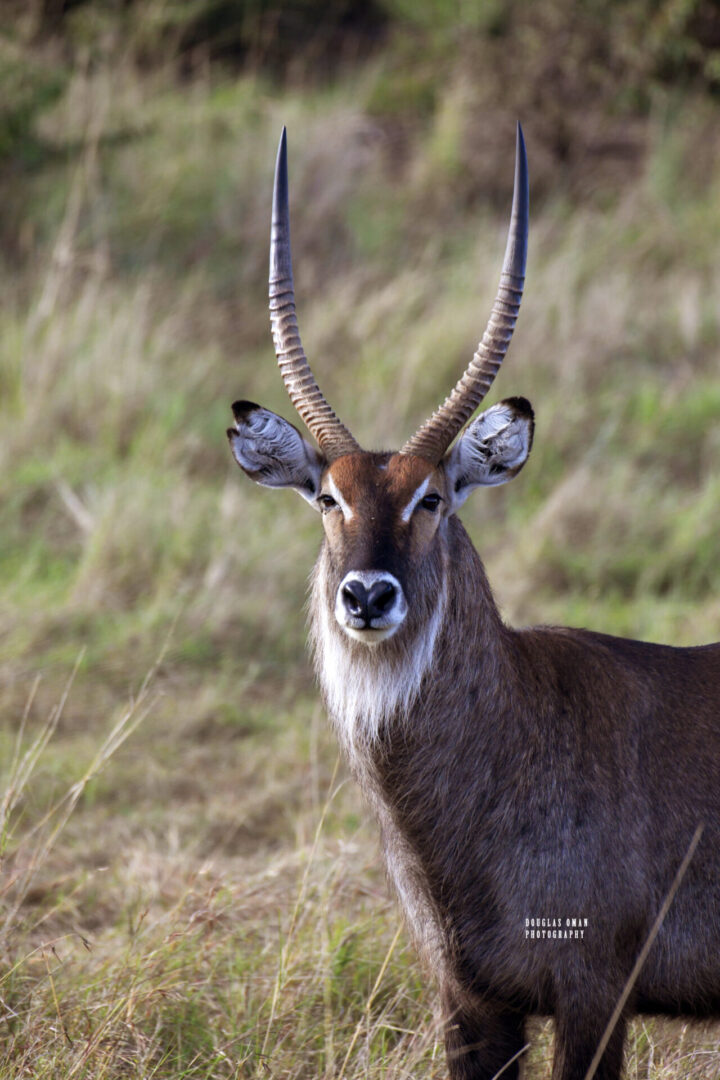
(381, 598)
(370, 605)
(355, 597)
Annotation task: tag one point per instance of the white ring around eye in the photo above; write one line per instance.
(337, 495)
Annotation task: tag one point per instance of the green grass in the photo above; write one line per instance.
(213, 906)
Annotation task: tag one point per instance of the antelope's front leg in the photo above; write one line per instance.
(482, 1040)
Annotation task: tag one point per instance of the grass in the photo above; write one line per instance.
(199, 893)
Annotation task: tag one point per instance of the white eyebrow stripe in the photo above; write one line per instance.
(339, 499)
(407, 512)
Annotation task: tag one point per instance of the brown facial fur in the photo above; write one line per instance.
(378, 488)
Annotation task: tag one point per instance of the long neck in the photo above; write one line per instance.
(453, 639)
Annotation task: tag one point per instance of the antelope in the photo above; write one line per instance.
(535, 789)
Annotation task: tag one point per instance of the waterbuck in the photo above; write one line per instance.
(537, 790)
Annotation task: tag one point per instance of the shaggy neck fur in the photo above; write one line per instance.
(367, 688)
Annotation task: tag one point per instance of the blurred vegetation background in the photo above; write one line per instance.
(188, 887)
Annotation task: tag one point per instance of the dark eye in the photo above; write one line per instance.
(326, 502)
(431, 503)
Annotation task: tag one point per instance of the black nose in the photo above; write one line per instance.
(354, 596)
(380, 598)
(368, 604)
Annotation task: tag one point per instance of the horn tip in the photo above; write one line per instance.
(281, 162)
(518, 237)
(280, 262)
(521, 158)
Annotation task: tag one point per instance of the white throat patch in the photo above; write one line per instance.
(365, 686)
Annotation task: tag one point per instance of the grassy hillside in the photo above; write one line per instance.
(190, 887)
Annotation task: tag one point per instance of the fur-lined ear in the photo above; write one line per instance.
(491, 450)
(273, 452)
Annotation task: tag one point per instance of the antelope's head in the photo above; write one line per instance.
(385, 513)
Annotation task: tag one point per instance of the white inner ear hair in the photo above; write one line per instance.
(498, 438)
(272, 448)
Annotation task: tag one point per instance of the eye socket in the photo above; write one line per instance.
(431, 502)
(326, 502)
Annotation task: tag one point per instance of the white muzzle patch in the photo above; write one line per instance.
(370, 605)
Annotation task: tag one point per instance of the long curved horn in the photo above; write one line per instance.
(332, 436)
(436, 434)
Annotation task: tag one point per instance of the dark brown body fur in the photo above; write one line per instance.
(552, 773)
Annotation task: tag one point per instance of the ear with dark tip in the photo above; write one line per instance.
(491, 450)
(242, 408)
(272, 452)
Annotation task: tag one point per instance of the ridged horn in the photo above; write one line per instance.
(434, 437)
(331, 435)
